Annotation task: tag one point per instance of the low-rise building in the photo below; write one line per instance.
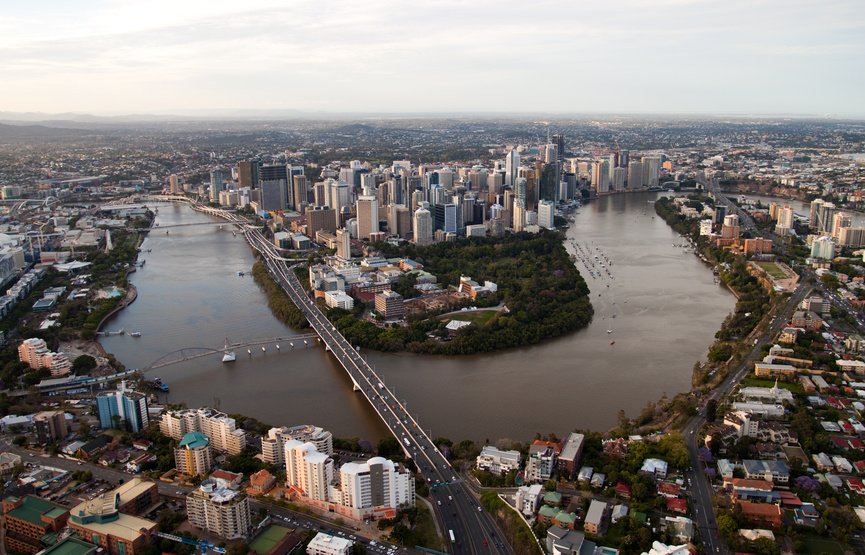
(595, 517)
(32, 523)
(325, 544)
(137, 496)
(100, 522)
(772, 471)
(498, 462)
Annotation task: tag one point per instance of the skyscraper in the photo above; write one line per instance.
(367, 215)
(423, 227)
(546, 214)
(174, 185)
(512, 162)
(343, 244)
(215, 184)
(635, 175)
(300, 187)
(247, 174)
(651, 170)
(446, 217)
(601, 176)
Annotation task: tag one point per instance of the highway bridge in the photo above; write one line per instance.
(474, 530)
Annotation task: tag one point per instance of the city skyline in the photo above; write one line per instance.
(676, 56)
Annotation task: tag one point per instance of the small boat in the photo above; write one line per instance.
(160, 385)
(609, 331)
(613, 342)
(263, 350)
(240, 274)
(229, 356)
(291, 345)
(248, 352)
(135, 334)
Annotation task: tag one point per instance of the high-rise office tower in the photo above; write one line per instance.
(559, 140)
(300, 188)
(512, 163)
(340, 196)
(520, 189)
(423, 227)
(174, 185)
(367, 183)
(551, 154)
(825, 214)
(548, 185)
(343, 244)
(446, 217)
(635, 175)
(247, 174)
(274, 187)
(624, 158)
(215, 184)
(367, 216)
(495, 183)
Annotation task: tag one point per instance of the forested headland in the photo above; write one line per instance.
(544, 293)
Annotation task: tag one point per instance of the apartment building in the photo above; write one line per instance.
(193, 457)
(100, 522)
(219, 510)
(273, 446)
(217, 426)
(498, 462)
(29, 520)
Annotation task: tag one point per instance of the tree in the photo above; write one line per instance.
(550, 485)
(711, 410)
(727, 525)
(765, 546)
(83, 364)
(239, 548)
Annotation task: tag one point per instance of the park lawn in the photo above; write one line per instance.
(772, 269)
(815, 546)
(756, 382)
(480, 317)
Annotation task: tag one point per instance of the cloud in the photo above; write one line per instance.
(630, 55)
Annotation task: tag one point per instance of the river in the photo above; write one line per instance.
(667, 309)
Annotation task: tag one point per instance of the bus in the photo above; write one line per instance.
(451, 532)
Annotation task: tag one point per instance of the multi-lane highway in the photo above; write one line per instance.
(473, 528)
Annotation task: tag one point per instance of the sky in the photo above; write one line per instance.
(105, 57)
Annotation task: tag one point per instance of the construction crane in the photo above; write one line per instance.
(202, 544)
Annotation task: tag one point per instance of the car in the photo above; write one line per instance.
(479, 509)
(485, 542)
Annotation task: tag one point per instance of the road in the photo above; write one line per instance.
(474, 529)
(701, 491)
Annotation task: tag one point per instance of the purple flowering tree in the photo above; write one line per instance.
(807, 483)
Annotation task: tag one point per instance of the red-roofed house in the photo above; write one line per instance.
(856, 444)
(790, 500)
(846, 426)
(232, 478)
(668, 490)
(855, 485)
(762, 514)
(860, 466)
(675, 505)
(623, 490)
(840, 442)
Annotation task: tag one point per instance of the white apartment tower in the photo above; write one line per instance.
(308, 470)
(375, 484)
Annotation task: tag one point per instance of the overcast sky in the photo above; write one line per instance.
(567, 56)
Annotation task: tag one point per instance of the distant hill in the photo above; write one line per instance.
(12, 132)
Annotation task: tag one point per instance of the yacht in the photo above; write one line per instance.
(229, 356)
